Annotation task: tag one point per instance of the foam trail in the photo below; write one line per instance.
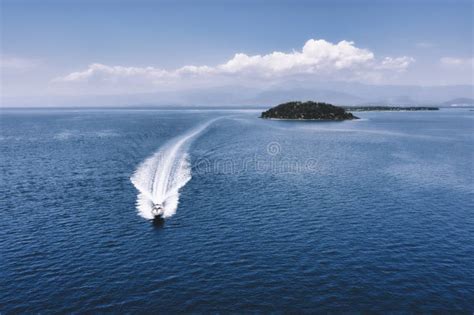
(160, 177)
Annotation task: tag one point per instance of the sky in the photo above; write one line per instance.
(77, 48)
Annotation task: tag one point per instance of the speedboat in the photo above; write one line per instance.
(157, 210)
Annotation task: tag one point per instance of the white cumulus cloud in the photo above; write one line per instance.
(316, 55)
(317, 59)
(104, 72)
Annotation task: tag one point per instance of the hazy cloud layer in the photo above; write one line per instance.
(457, 62)
(318, 59)
(11, 63)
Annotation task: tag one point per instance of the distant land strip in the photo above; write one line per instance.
(387, 108)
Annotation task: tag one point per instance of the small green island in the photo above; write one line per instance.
(307, 111)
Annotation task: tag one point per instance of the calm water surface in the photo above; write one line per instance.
(368, 215)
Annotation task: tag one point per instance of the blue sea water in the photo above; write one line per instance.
(278, 216)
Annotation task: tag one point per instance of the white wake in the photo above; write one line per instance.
(160, 177)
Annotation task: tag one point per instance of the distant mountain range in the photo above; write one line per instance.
(459, 102)
(339, 93)
(361, 94)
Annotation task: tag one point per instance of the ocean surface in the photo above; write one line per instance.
(375, 214)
